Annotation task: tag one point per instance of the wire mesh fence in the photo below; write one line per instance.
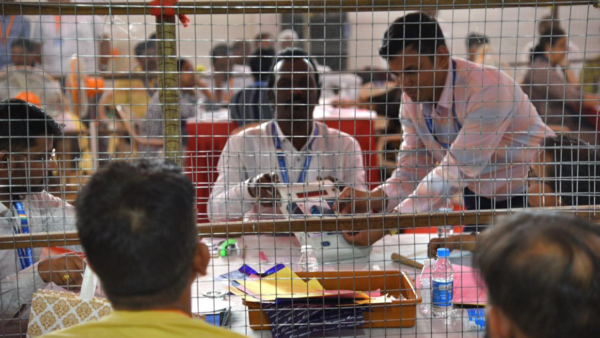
(333, 148)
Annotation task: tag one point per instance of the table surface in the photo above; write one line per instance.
(286, 250)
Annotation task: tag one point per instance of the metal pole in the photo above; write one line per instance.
(167, 87)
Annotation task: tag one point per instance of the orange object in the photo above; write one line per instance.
(401, 312)
(4, 37)
(93, 86)
(29, 97)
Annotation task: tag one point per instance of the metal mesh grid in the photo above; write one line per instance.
(126, 86)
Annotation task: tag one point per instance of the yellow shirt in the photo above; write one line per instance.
(136, 94)
(146, 324)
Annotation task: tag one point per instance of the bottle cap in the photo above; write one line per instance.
(443, 252)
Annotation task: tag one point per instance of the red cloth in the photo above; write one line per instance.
(205, 144)
(166, 8)
(364, 133)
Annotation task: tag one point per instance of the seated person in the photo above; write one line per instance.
(27, 135)
(227, 78)
(565, 173)
(137, 226)
(542, 276)
(292, 148)
(22, 53)
(134, 93)
(481, 52)
(251, 104)
(558, 99)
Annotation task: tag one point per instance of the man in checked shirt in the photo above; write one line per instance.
(26, 155)
(466, 128)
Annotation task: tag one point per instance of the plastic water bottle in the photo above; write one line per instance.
(425, 288)
(308, 261)
(442, 285)
(462, 320)
(445, 230)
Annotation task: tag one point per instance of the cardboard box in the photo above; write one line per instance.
(399, 313)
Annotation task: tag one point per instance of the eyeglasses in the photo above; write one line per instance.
(39, 157)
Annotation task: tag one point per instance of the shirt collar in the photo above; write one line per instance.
(446, 97)
(283, 138)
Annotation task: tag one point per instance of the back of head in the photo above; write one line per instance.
(261, 62)
(142, 48)
(415, 30)
(137, 226)
(547, 37)
(22, 123)
(291, 54)
(219, 51)
(475, 39)
(543, 271)
(26, 44)
(573, 173)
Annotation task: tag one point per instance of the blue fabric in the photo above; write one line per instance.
(21, 28)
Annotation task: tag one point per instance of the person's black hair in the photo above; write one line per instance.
(548, 37)
(220, 50)
(476, 39)
(181, 62)
(22, 123)
(261, 62)
(137, 225)
(27, 45)
(574, 172)
(542, 269)
(262, 36)
(416, 30)
(291, 54)
(142, 48)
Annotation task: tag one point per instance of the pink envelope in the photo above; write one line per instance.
(466, 286)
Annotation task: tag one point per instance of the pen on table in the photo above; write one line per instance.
(263, 258)
(406, 261)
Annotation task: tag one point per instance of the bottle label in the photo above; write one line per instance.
(442, 293)
(476, 319)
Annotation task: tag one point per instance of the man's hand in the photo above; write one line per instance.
(263, 188)
(363, 238)
(456, 242)
(350, 199)
(358, 201)
(63, 270)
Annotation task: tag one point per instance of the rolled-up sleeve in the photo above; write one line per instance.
(489, 115)
(414, 162)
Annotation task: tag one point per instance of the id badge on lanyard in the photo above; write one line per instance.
(429, 120)
(281, 157)
(25, 254)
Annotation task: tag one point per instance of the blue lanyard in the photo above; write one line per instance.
(281, 157)
(25, 255)
(428, 119)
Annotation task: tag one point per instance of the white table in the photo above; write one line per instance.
(286, 250)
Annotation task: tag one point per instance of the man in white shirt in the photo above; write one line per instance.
(290, 149)
(26, 155)
(465, 127)
(59, 37)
